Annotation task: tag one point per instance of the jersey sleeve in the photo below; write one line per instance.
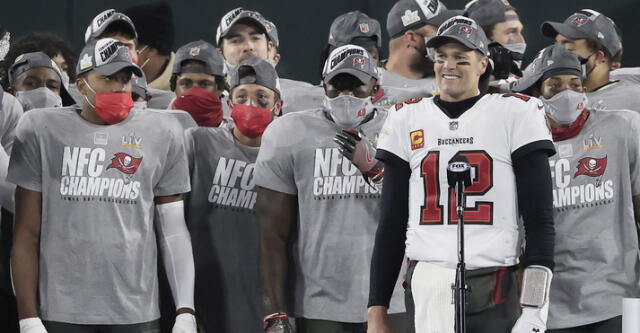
(530, 130)
(175, 171)
(274, 165)
(633, 137)
(25, 164)
(11, 113)
(394, 137)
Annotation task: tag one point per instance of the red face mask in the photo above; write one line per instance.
(251, 120)
(112, 107)
(203, 106)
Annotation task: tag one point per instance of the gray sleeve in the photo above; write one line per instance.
(175, 173)
(274, 166)
(11, 113)
(634, 152)
(189, 147)
(25, 164)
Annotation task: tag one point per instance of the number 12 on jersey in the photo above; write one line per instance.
(432, 212)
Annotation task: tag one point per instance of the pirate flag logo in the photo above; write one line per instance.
(126, 163)
(592, 167)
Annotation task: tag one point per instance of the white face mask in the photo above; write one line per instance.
(39, 98)
(565, 107)
(348, 111)
(516, 47)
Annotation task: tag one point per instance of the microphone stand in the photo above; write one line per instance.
(461, 281)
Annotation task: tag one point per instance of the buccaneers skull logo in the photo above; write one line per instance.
(125, 163)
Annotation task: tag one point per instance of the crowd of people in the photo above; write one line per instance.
(150, 190)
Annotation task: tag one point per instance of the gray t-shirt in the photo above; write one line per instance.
(338, 214)
(11, 113)
(595, 174)
(97, 243)
(160, 99)
(631, 74)
(224, 231)
(617, 95)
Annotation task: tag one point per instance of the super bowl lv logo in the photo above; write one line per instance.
(84, 174)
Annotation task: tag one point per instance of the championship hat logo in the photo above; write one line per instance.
(592, 167)
(580, 20)
(194, 51)
(364, 27)
(417, 139)
(466, 30)
(359, 61)
(125, 163)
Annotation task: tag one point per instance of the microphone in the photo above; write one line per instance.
(459, 171)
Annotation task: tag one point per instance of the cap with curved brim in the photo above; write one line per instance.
(438, 41)
(551, 61)
(362, 76)
(552, 29)
(114, 67)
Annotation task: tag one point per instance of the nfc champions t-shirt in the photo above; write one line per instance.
(98, 182)
(224, 231)
(338, 214)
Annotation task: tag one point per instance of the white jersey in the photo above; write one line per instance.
(616, 95)
(630, 74)
(490, 134)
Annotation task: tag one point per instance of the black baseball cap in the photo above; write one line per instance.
(203, 52)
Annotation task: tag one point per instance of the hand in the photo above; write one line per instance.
(504, 61)
(361, 152)
(532, 320)
(185, 323)
(277, 323)
(32, 325)
(377, 320)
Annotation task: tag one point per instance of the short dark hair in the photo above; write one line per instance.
(49, 43)
(595, 46)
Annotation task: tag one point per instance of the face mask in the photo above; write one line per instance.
(112, 107)
(430, 51)
(65, 79)
(203, 106)
(251, 120)
(39, 98)
(348, 111)
(137, 56)
(565, 107)
(516, 47)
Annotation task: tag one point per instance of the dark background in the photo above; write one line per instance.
(303, 25)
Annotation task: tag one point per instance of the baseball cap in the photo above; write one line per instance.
(240, 15)
(27, 61)
(589, 24)
(408, 15)
(350, 59)
(203, 52)
(265, 76)
(462, 30)
(100, 23)
(489, 12)
(351, 25)
(552, 60)
(106, 56)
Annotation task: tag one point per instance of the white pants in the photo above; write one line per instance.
(433, 298)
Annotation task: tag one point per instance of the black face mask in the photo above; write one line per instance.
(584, 61)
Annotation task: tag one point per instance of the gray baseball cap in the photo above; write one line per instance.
(106, 56)
(552, 60)
(265, 74)
(489, 12)
(105, 19)
(350, 59)
(139, 86)
(351, 25)
(203, 52)
(408, 15)
(586, 24)
(27, 61)
(462, 30)
(240, 15)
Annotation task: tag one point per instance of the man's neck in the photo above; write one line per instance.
(458, 98)
(398, 64)
(155, 67)
(245, 140)
(598, 78)
(90, 115)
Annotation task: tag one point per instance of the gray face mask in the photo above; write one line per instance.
(348, 111)
(565, 107)
(516, 47)
(39, 98)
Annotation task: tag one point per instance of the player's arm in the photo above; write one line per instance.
(177, 257)
(356, 147)
(636, 209)
(26, 251)
(389, 246)
(277, 214)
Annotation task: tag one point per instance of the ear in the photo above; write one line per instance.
(409, 38)
(277, 108)
(229, 103)
(601, 58)
(484, 63)
(81, 85)
(276, 58)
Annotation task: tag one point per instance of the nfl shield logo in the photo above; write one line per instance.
(364, 28)
(453, 125)
(580, 20)
(466, 30)
(194, 51)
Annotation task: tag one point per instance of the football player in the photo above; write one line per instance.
(220, 211)
(90, 180)
(596, 195)
(315, 200)
(506, 140)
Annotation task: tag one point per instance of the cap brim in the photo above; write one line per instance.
(112, 68)
(244, 19)
(552, 29)
(362, 76)
(438, 41)
(525, 83)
